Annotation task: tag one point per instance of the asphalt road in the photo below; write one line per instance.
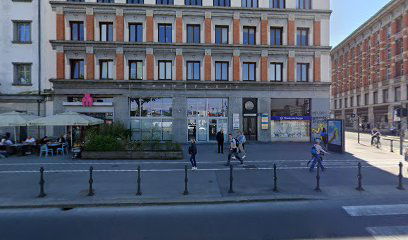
(255, 221)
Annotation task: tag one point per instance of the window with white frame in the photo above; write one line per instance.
(276, 72)
(22, 73)
(165, 70)
(221, 71)
(193, 71)
(135, 69)
(106, 69)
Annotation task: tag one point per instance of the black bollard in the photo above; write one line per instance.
(400, 177)
(139, 191)
(91, 190)
(317, 189)
(275, 179)
(185, 181)
(392, 145)
(42, 182)
(231, 190)
(360, 178)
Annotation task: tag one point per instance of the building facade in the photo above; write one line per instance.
(182, 69)
(369, 71)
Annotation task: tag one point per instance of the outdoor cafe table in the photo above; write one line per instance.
(54, 146)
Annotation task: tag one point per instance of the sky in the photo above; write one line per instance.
(348, 15)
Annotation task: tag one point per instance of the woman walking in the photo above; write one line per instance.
(192, 150)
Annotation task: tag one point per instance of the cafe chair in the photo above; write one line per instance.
(44, 149)
(63, 149)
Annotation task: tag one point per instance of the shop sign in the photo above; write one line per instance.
(291, 118)
(264, 121)
(87, 100)
(235, 121)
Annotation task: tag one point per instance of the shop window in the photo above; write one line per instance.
(290, 107)
(203, 107)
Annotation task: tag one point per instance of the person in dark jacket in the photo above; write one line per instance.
(192, 150)
(220, 141)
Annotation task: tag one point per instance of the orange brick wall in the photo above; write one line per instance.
(150, 67)
(120, 28)
(264, 69)
(120, 66)
(149, 28)
(291, 33)
(60, 65)
(179, 67)
(207, 67)
(317, 33)
(291, 69)
(264, 32)
(237, 31)
(90, 66)
(60, 27)
(236, 68)
(90, 27)
(317, 69)
(207, 23)
(179, 30)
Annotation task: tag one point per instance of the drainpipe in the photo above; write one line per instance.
(39, 63)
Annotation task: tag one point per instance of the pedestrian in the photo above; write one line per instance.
(192, 150)
(317, 155)
(220, 141)
(241, 144)
(233, 150)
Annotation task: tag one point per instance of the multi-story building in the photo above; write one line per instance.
(369, 70)
(24, 51)
(181, 69)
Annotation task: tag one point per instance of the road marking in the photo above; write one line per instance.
(389, 232)
(376, 210)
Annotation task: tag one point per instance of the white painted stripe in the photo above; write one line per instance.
(389, 232)
(376, 210)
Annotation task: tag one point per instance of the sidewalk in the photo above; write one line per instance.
(162, 182)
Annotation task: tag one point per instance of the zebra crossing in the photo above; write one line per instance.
(382, 232)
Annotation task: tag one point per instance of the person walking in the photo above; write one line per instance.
(233, 150)
(241, 144)
(220, 141)
(192, 150)
(317, 155)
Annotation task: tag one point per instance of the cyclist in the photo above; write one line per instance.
(375, 134)
(317, 155)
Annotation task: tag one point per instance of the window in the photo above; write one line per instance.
(385, 95)
(222, 3)
(106, 69)
(351, 101)
(221, 71)
(304, 4)
(302, 37)
(249, 3)
(193, 70)
(193, 2)
(165, 70)
(106, 1)
(249, 35)
(399, 48)
(340, 103)
(397, 93)
(135, 1)
(302, 71)
(75, 0)
(221, 34)
(398, 23)
(399, 68)
(106, 32)
(165, 2)
(358, 100)
(22, 31)
(276, 72)
(135, 32)
(193, 33)
(335, 104)
(165, 33)
(22, 73)
(77, 68)
(366, 99)
(277, 3)
(249, 71)
(77, 31)
(375, 97)
(135, 70)
(276, 36)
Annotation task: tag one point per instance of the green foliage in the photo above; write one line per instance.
(104, 143)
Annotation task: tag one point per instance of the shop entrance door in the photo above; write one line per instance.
(250, 128)
(212, 130)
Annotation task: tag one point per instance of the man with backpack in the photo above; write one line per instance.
(233, 150)
(241, 144)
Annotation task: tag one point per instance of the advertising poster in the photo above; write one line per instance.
(235, 121)
(335, 135)
(265, 121)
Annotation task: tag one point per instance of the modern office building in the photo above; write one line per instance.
(369, 70)
(27, 60)
(182, 69)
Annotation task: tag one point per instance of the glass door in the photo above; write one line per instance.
(251, 128)
(223, 124)
(212, 130)
(192, 129)
(202, 130)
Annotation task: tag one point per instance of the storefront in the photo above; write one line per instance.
(381, 117)
(205, 117)
(290, 120)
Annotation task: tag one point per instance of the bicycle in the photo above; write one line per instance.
(377, 142)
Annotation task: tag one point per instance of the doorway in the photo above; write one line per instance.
(251, 128)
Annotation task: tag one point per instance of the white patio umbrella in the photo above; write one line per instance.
(16, 119)
(66, 119)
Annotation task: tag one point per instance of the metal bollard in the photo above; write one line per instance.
(91, 190)
(139, 191)
(400, 177)
(185, 181)
(392, 145)
(42, 182)
(275, 179)
(360, 178)
(317, 188)
(231, 190)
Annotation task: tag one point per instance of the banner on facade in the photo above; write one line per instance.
(235, 121)
(291, 118)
